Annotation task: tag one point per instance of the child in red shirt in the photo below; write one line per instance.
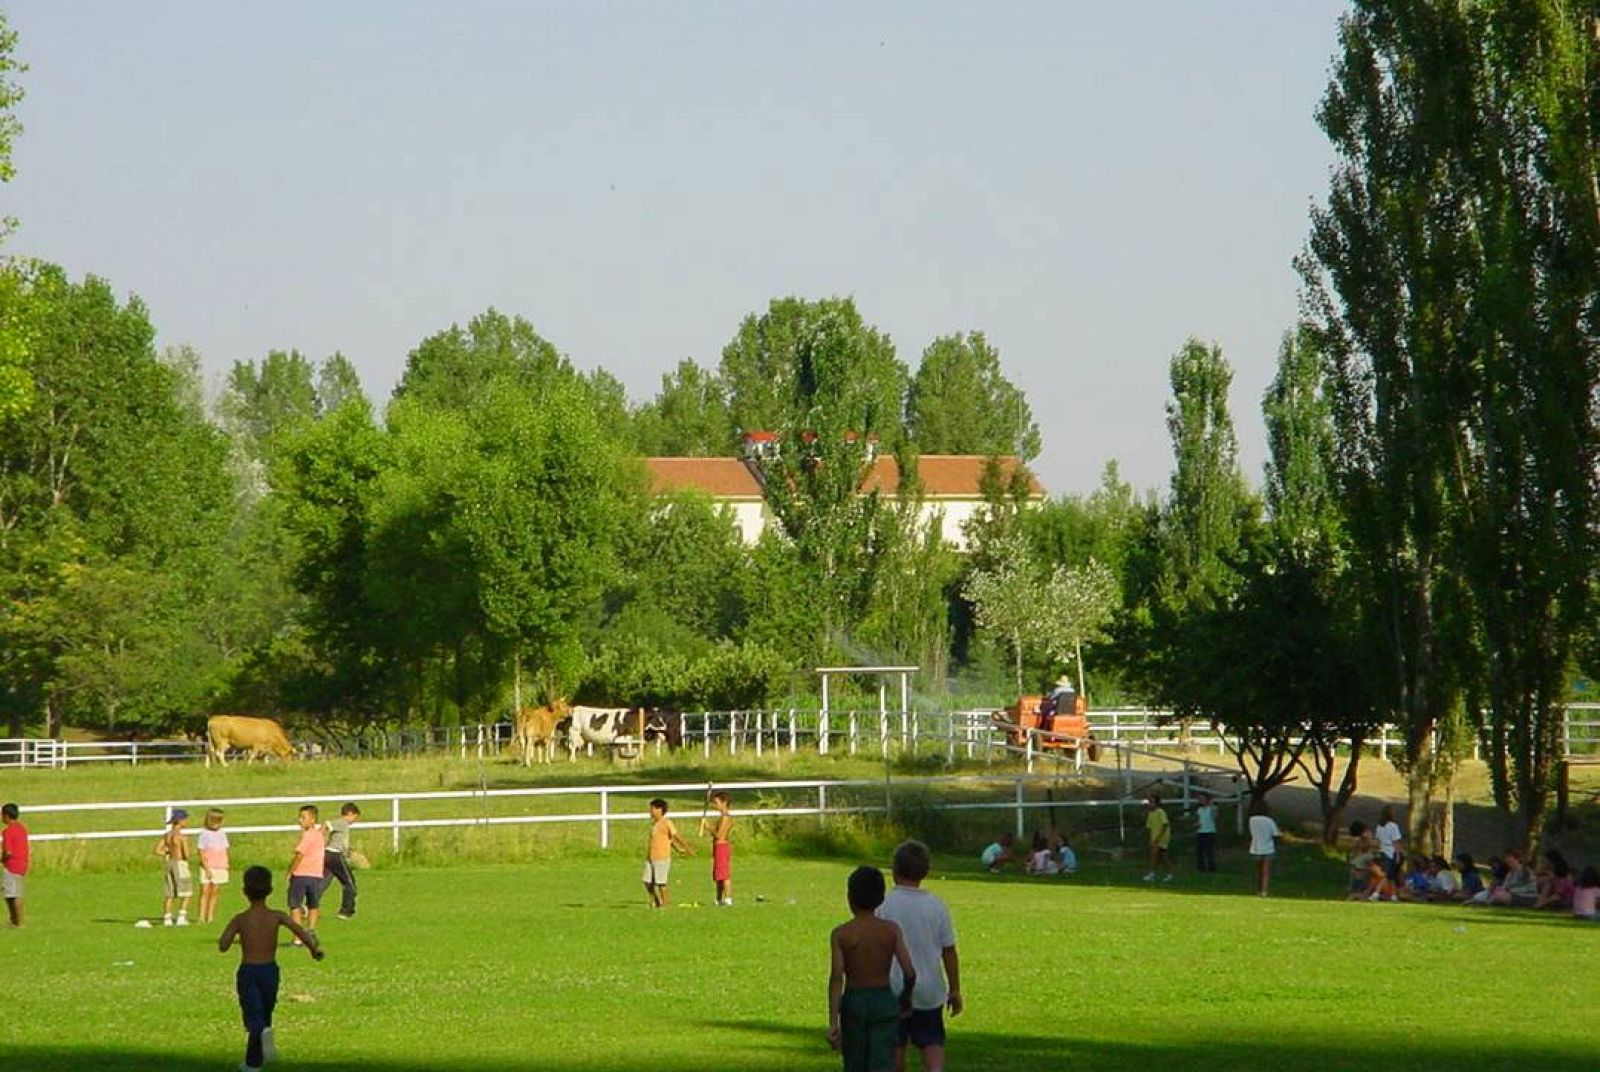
(13, 862)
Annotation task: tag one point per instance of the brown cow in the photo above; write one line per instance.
(259, 736)
(538, 728)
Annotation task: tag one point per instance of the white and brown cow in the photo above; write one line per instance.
(538, 729)
(258, 736)
(611, 726)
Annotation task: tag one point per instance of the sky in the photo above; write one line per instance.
(1087, 183)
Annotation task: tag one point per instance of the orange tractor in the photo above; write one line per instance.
(1052, 731)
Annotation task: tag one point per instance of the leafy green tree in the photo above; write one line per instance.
(1076, 608)
(338, 382)
(959, 402)
(110, 479)
(262, 402)
(814, 366)
(689, 417)
(1007, 599)
(1451, 274)
(455, 368)
(1209, 507)
(685, 559)
(10, 96)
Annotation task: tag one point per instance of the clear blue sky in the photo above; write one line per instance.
(1087, 182)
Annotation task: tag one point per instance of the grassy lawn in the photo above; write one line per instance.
(557, 965)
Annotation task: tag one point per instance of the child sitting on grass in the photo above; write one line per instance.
(1586, 893)
(1444, 883)
(1042, 861)
(1470, 887)
(256, 931)
(1554, 881)
(863, 1013)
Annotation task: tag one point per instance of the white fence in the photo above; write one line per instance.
(604, 814)
(970, 734)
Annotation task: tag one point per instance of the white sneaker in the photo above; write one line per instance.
(729, 902)
(269, 1048)
(183, 921)
(166, 921)
(1151, 877)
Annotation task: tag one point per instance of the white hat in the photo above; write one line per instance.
(1063, 682)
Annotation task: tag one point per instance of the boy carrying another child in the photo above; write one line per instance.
(924, 923)
(863, 1013)
(256, 931)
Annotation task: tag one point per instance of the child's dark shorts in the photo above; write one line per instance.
(924, 1028)
(257, 985)
(306, 891)
(868, 1022)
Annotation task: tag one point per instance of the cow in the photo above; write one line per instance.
(538, 728)
(258, 736)
(608, 726)
(663, 724)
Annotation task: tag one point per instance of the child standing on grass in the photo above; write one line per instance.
(174, 848)
(305, 871)
(1205, 834)
(256, 931)
(664, 837)
(13, 861)
(1263, 844)
(863, 1013)
(721, 847)
(931, 940)
(336, 860)
(213, 846)
(1159, 829)
(1584, 895)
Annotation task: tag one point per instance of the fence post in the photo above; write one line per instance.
(822, 732)
(733, 732)
(883, 733)
(1027, 750)
(605, 819)
(1020, 828)
(394, 823)
(705, 733)
(1383, 742)
(852, 733)
(135, 753)
(822, 805)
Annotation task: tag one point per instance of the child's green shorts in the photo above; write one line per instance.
(869, 1026)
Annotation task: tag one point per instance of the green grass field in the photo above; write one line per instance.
(557, 965)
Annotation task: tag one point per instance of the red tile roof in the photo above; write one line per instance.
(721, 478)
(944, 476)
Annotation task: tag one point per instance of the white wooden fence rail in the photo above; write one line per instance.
(971, 733)
(604, 815)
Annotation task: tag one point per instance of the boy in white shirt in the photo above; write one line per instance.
(1263, 843)
(929, 935)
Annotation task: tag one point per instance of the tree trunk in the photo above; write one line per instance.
(52, 716)
(516, 682)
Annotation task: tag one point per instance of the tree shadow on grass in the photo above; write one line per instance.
(787, 1046)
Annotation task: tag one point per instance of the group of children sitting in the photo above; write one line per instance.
(1379, 876)
(1050, 855)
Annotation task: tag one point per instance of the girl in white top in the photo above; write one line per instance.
(1391, 840)
(1263, 846)
(213, 846)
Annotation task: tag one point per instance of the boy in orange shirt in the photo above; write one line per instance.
(305, 871)
(664, 837)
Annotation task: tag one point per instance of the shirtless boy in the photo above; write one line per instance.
(256, 930)
(863, 1012)
(721, 847)
(177, 882)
